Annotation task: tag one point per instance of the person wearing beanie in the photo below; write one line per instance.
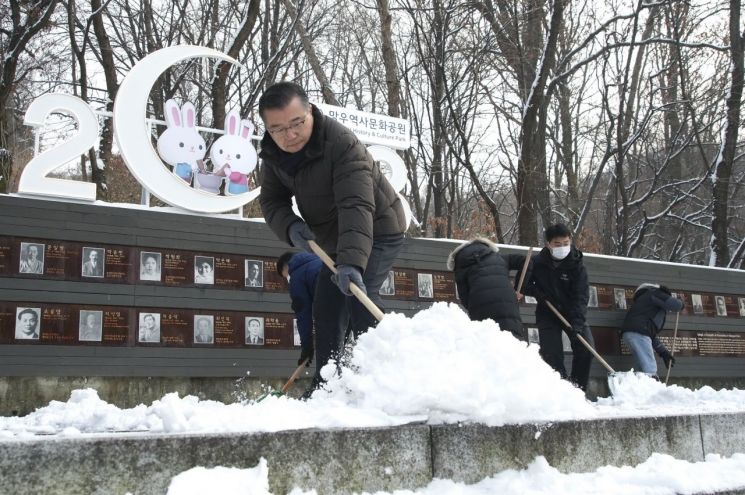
(484, 288)
(644, 320)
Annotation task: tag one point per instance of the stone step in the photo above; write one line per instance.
(358, 459)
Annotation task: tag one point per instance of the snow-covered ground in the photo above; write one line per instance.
(659, 475)
(437, 367)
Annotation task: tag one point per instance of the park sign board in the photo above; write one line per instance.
(372, 128)
(179, 187)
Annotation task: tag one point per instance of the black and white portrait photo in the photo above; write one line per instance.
(27, 323)
(149, 327)
(32, 258)
(389, 285)
(150, 264)
(698, 305)
(204, 329)
(533, 336)
(254, 270)
(424, 285)
(592, 302)
(619, 298)
(91, 326)
(204, 270)
(295, 333)
(93, 262)
(721, 305)
(741, 305)
(255, 330)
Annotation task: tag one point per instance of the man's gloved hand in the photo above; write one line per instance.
(576, 330)
(346, 274)
(668, 359)
(299, 234)
(306, 352)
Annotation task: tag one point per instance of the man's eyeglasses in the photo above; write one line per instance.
(292, 127)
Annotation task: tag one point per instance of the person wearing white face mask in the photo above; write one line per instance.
(557, 275)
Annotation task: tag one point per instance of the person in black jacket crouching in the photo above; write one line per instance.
(557, 275)
(484, 289)
(644, 321)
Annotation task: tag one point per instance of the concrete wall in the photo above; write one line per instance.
(358, 459)
(34, 374)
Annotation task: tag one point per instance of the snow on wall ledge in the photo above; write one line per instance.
(359, 459)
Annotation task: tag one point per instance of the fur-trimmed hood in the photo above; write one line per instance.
(477, 240)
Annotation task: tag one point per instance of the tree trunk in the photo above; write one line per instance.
(723, 168)
(310, 52)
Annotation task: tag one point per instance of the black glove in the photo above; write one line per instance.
(668, 359)
(346, 274)
(576, 330)
(299, 234)
(306, 352)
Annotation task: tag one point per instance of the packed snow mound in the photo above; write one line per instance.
(442, 364)
(635, 392)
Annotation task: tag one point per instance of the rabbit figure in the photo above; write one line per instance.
(233, 155)
(181, 145)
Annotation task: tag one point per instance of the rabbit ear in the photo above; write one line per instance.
(247, 129)
(189, 114)
(173, 114)
(232, 123)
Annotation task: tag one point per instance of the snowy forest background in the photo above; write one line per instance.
(619, 118)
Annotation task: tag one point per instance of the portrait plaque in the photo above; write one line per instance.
(116, 323)
(59, 324)
(6, 253)
(228, 273)
(119, 265)
(175, 327)
(273, 282)
(227, 330)
(177, 268)
(405, 283)
(57, 260)
(444, 286)
(277, 330)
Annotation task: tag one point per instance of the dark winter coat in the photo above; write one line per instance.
(303, 269)
(648, 311)
(341, 193)
(484, 288)
(563, 283)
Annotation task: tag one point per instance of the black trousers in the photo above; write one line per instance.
(552, 351)
(333, 311)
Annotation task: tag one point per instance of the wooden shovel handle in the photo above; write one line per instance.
(581, 339)
(294, 376)
(525, 269)
(358, 293)
(672, 352)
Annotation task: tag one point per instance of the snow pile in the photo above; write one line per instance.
(436, 367)
(637, 393)
(444, 365)
(222, 480)
(659, 475)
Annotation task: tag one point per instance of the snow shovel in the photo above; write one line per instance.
(581, 339)
(358, 293)
(672, 352)
(286, 386)
(525, 269)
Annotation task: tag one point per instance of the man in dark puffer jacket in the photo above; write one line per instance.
(484, 289)
(346, 204)
(643, 322)
(557, 275)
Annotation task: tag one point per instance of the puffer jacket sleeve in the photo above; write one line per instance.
(579, 297)
(276, 204)
(666, 301)
(355, 200)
